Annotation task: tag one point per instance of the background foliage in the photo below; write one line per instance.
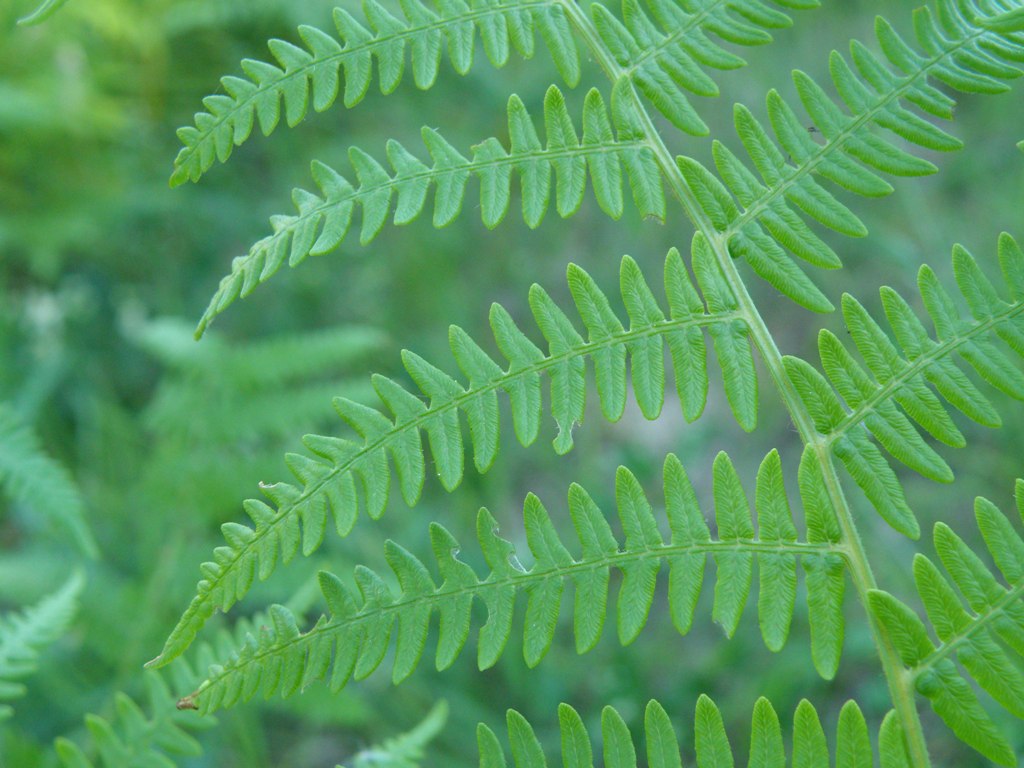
(103, 271)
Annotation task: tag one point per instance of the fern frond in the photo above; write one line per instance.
(134, 738)
(346, 474)
(315, 75)
(667, 60)
(354, 638)
(852, 746)
(324, 219)
(989, 338)
(987, 640)
(662, 52)
(24, 634)
(30, 477)
(759, 212)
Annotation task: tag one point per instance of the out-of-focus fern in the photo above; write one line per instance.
(33, 480)
(133, 737)
(404, 750)
(235, 405)
(230, 392)
(187, 17)
(25, 633)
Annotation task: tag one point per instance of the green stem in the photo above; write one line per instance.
(899, 680)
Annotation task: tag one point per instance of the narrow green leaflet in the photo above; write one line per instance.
(810, 746)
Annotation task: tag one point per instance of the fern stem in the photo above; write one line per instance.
(900, 682)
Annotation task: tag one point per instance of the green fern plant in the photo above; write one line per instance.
(131, 737)
(758, 208)
(24, 634)
(33, 480)
(406, 749)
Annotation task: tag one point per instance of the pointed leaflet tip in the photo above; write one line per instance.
(1004, 23)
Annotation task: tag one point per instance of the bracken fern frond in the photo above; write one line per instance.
(345, 474)
(760, 215)
(354, 638)
(901, 375)
(324, 219)
(761, 205)
(988, 640)
(315, 75)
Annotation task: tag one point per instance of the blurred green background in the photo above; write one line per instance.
(104, 270)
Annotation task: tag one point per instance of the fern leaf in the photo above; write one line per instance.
(760, 211)
(898, 394)
(328, 66)
(23, 635)
(711, 743)
(30, 477)
(345, 474)
(661, 52)
(353, 639)
(987, 637)
(730, 339)
(134, 738)
(324, 218)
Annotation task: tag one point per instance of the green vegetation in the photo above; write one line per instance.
(816, 428)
